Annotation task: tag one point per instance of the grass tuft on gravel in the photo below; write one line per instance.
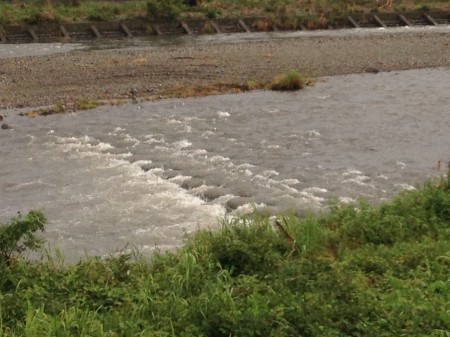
(288, 81)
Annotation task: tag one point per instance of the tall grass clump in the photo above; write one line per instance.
(353, 270)
(288, 81)
(165, 9)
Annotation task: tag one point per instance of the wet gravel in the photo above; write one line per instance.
(107, 74)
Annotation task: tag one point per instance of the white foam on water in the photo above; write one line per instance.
(156, 170)
(178, 179)
(346, 200)
(315, 190)
(82, 144)
(174, 121)
(143, 162)
(187, 129)
(400, 164)
(32, 139)
(312, 134)
(360, 180)
(163, 148)
(223, 199)
(290, 181)
(270, 173)
(219, 159)
(184, 143)
(357, 177)
(245, 166)
(350, 172)
(200, 190)
(405, 187)
(248, 208)
(200, 152)
(248, 173)
(223, 114)
(310, 197)
(129, 139)
(119, 192)
(154, 139)
(25, 186)
(288, 188)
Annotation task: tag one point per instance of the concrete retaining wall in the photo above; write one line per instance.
(54, 32)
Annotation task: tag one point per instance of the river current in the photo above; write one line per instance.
(148, 173)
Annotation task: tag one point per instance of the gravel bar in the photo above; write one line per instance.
(110, 74)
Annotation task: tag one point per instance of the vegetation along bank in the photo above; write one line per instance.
(354, 270)
(311, 13)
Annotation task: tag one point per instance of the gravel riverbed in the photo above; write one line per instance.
(110, 74)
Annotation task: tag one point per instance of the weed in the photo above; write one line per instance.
(169, 9)
(208, 28)
(85, 104)
(290, 80)
(212, 13)
(254, 85)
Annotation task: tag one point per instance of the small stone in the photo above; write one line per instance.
(5, 126)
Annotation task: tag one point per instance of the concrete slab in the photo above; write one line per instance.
(33, 34)
(125, 29)
(353, 22)
(95, 31)
(379, 21)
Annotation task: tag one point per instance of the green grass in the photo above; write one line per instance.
(311, 13)
(37, 12)
(353, 270)
(288, 81)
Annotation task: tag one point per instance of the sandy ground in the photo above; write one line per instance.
(151, 72)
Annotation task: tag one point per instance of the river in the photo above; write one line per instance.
(148, 173)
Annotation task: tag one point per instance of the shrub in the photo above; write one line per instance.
(167, 9)
(289, 81)
(18, 235)
(212, 13)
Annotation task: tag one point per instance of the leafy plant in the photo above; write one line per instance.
(19, 235)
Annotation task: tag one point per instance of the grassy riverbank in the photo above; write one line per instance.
(355, 270)
(316, 13)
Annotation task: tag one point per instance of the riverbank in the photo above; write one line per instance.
(356, 270)
(192, 68)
